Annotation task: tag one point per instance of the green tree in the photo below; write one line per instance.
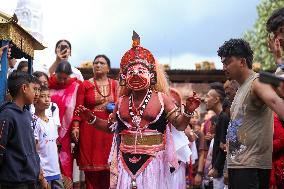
(258, 36)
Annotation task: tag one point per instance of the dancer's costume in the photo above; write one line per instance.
(142, 155)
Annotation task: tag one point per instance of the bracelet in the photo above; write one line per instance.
(188, 114)
(92, 121)
(175, 109)
(110, 119)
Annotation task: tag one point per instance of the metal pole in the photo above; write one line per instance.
(4, 71)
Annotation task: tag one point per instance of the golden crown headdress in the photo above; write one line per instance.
(137, 54)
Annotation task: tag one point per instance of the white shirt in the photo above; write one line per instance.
(76, 73)
(194, 155)
(181, 143)
(52, 111)
(10, 70)
(46, 134)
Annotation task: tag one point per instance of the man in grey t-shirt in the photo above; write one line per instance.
(250, 130)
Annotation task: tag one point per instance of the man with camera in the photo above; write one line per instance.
(250, 132)
(275, 28)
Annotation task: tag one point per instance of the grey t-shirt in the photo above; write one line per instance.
(250, 131)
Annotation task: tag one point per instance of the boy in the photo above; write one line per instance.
(19, 161)
(45, 132)
(53, 110)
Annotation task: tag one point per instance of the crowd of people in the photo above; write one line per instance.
(136, 132)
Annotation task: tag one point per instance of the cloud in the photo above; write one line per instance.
(167, 28)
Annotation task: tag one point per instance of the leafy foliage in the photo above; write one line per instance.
(258, 36)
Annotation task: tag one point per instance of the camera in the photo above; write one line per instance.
(63, 47)
(269, 78)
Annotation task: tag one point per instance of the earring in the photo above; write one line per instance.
(122, 80)
(153, 78)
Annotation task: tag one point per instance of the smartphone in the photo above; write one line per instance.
(63, 47)
(270, 78)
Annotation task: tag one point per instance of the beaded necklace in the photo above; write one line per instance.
(136, 116)
(98, 90)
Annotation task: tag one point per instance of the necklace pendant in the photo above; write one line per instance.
(133, 184)
(136, 120)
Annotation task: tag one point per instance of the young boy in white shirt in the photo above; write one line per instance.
(46, 133)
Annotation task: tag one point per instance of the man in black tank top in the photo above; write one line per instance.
(214, 101)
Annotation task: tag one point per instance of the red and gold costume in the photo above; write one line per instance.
(143, 149)
(144, 146)
(95, 145)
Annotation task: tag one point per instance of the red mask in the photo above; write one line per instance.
(138, 77)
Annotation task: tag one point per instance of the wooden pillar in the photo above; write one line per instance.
(3, 71)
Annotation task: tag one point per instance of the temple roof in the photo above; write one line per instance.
(24, 43)
(4, 17)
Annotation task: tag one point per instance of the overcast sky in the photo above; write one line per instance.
(177, 32)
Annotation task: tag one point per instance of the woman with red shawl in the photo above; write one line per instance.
(63, 90)
(97, 94)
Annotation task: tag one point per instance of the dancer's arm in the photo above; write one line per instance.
(175, 116)
(101, 124)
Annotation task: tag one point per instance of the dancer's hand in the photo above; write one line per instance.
(192, 103)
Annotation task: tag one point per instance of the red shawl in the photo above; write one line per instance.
(52, 83)
(65, 97)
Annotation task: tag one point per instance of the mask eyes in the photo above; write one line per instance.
(130, 72)
(141, 71)
(138, 70)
